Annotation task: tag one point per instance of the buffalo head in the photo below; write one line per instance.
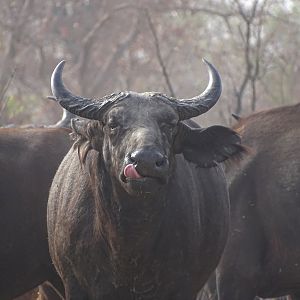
(139, 134)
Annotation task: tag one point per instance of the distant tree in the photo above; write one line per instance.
(113, 45)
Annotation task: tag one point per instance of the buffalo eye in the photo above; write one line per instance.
(168, 127)
(113, 126)
(169, 130)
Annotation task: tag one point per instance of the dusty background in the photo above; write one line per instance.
(148, 45)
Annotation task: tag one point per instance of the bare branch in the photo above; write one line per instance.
(103, 77)
(89, 40)
(11, 49)
(4, 90)
(159, 56)
(247, 75)
(205, 10)
(253, 10)
(87, 44)
(241, 10)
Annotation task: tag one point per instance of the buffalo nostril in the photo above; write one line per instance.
(148, 160)
(161, 162)
(131, 158)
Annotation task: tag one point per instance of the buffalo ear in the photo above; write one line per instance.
(86, 135)
(78, 127)
(207, 146)
(87, 130)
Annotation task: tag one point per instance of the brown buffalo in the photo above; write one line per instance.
(262, 257)
(142, 211)
(28, 161)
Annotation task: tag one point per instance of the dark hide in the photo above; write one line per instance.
(262, 256)
(156, 237)
(28, 161)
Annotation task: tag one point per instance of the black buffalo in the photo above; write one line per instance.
(138, 209)
(262, 257)
(29, 159)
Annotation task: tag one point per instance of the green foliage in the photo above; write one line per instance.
(20, 110)
(13, 107)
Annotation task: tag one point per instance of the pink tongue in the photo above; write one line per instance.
(131, 172)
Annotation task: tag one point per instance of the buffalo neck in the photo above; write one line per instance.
(131, 225)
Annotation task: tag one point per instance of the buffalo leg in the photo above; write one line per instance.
(185, 291)
(237, 277)
(241, 293)
(74, 291)
(48, 292)
(238, 274)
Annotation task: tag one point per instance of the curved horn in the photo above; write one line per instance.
(65, 121)
(189, 108)
(82, 107)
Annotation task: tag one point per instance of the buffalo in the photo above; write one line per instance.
(138, 208)
(28, 161)
(262, 256)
